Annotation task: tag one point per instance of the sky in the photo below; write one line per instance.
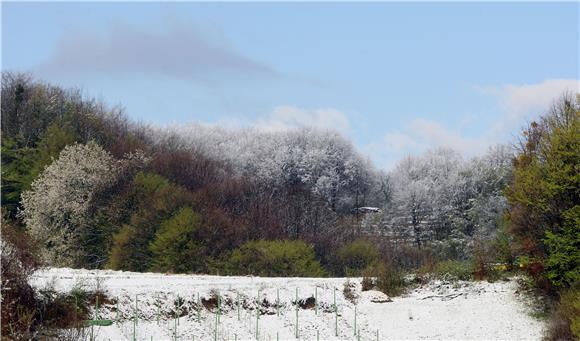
(395, 78)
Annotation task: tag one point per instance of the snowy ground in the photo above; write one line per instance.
(439, 310)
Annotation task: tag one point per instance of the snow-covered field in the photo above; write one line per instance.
(465, 310)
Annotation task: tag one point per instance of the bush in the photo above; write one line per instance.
(19, 304)
(564, 322)
(367, 283)
(275, 258)
(353, 258)
(390, 279)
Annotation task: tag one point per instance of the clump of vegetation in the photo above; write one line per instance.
(176, 247)
(349, 291)
(450, 270)
(19, 303)
(390, 279)
(367, 283)
(562, 316)
(275, 258)
(354, 257)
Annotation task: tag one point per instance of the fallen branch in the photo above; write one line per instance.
(443, 297)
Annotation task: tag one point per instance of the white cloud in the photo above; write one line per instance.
(420, 135)
(289, 117)
(397, 141)
(519, 99)
(517, 103)
(433, 134)
(527, 101)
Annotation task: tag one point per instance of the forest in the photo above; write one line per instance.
(83, 186)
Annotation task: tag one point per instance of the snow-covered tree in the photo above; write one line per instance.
(440, 197)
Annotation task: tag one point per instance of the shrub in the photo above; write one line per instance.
(390, 279)
(354, 257)
(349, 291)
(19, 304)
(275, 258)
(564, 322)
(367, 283)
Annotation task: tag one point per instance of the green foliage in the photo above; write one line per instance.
(545, 197)
(125, 253)
(22, 164)
(453, 270)
(275, 258)
(564, 322)
(390, 279)
(570, 303)
(562, 265)
(502, 246)
(354, 257)
(154, 199)
(16, 165)
(175, 248)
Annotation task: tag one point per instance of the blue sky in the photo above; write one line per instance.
(395, 78)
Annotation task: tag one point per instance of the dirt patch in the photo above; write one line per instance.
(209, 303)
(308, 303)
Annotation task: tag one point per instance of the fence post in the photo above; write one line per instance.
(157, 303)
(198, 309)
(238, 305)
(297, 334)
(135, 320)
(316, 300)
(355, 320)
(335, 314)
(257, 315)
(218, 307)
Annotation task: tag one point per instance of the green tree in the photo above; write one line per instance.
(544, 195)
(175, 248)
(154, 199)
(275, 258)
(22, 164)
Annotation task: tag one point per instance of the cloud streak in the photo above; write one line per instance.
(289, 117)
(179, 52)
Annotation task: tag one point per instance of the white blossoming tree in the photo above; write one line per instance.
(57, 208)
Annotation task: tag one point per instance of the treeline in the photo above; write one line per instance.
(83, 186)
(96, 190)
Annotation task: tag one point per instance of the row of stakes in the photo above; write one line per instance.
(101, 322)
